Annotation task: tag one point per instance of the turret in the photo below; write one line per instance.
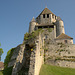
(32, 25)
(59, 26)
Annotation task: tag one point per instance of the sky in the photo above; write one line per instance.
(15, 16)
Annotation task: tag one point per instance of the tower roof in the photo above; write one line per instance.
(33, 19)
(46, 11)
(64, 36)
(58, 18)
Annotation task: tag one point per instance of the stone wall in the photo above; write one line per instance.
(19, 60)
(39, 59)
(61, 55)
(14, 56)
(36, 59)
(28, 57)
(69, 41)
(27, 61)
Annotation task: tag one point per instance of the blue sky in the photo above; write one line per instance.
(15, 16)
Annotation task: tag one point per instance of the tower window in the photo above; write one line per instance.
(47, 15)
(43, 15)
(45, 36)
(65, 41)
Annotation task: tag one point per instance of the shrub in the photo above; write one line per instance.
(50, 29)
(7, 71)
(8, 57)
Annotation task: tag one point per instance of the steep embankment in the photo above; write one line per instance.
(54, 70)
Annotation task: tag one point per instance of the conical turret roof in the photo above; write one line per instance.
(33, 19)
(58, 18)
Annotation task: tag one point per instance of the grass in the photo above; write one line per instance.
(54, 70)
(1, 73)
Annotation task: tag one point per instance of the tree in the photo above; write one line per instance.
(1, 52)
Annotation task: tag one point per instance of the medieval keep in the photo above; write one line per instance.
(45, 43)
(47, 19)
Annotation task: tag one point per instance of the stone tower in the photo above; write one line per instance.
(32, 25)
(59, 27)
(47, 19)
(48, 41)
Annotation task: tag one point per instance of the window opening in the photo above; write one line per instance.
(43, 15)
(47, 15)
(65, 41)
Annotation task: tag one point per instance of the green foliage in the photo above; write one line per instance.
(46, 49)
(54, 70)
(60, 50)
(1, 52)
(1, 72)
(58, 58)
(49, 29)
(8, 57)
(69, 57)
(23, 71)
(26, 36)
(6, 71)
(29, 36)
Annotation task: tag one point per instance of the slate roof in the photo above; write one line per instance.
(63, 36)
(1, 64)
(46, 11)
(33, 19)
(58, 18)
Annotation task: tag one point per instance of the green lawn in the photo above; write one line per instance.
(54, 70)
(1, 73)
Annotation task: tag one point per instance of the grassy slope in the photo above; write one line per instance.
(54, 70)
(1, 73)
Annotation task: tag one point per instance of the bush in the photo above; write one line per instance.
(7, 71)
(8, 57)
(32, 35)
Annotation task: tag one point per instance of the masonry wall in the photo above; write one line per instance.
(46, 20)
(69, 41)
(60, 55)
(36, 59)
(18, 52)
(17, 59)
(39, 59)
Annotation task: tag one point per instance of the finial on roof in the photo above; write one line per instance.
(46, 6)
(58, 18)
(33, 19)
